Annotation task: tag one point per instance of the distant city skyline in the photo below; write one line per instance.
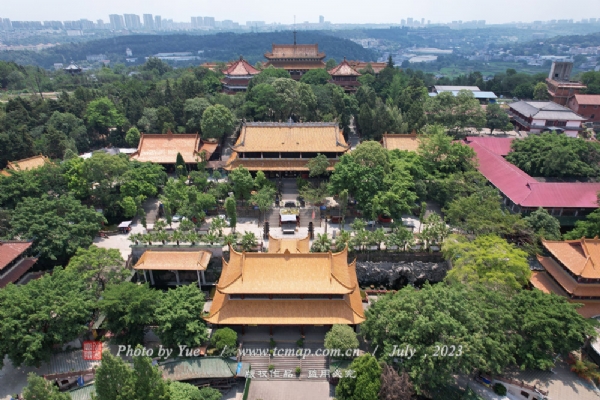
(276, 11)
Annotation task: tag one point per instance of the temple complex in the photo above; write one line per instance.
(345, 76)
(238, 76)
(286, 147)
(297, 59)
(572, 270)
(287, 286)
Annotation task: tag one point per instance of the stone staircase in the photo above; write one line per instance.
(284, 366)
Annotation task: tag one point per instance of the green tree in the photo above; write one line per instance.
(330, 64)
(496, 118)
(194, 109)
(98, 267)
(114, 379)
(129, 309)
(217, 121)
(366, 383)
(455, 112)
(315, 194)
(242, 182)
(317, 166)
(180, 165)
(263, 199)
(342, 338)
(488, 260)
(57, 225)
(544, 224)
(225, 341)
(317, 76)
(102, 114)
(186, 391)
(260, 180)
(249, 241)
(72, 127)
(540, 92)
(142, 179)
(230, 209)
(441, 155)
(322, 244)
(177, 317)
(132, 137)
(40, 315)
(588, 227)
(556, 155)
(39, 388)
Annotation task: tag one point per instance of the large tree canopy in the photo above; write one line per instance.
(482, 329)
(45, 312)
(57, 226)
(556, 155)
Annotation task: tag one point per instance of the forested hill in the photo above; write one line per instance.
(219, 47)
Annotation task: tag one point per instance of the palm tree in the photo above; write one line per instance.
(248, 241)
(211, 237)
(178, 236)
(231, 239)
(322, 244)
(192, 237)
(162, 236)
(148, 238)
(344, 239)
(160, 225)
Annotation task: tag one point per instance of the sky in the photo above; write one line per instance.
(283, 11)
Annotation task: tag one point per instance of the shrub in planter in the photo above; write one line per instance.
(272, 343)
(298, 371)
(271, 367)
(500, 389)
(300, 342)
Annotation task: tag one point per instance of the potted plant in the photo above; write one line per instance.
(298, 371)
(300, 342)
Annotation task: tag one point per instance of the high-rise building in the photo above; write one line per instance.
(148, 22)
(51, 24)
(157, 22)
(321, 19)
(403, 22)
(117, 22)
(209, 21)
(422, 21)
(132, 21)
(100, 24)
(86, 24)
(409, 21)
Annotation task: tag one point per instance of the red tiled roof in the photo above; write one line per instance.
(9, 251)
(524, 190)
(241, 68)
(343, 69)
(500, 146)
(588, 99)
(18, 271)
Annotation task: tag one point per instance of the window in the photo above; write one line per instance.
(524, 394)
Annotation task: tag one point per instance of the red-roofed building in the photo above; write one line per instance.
(523, 193)
(13, 262)
(345, 76)
(586, 105)
(237, 76)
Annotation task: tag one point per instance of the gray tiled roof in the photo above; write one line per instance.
(545, 110)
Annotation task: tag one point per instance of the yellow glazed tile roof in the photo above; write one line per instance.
(284, 312)
(582, 257)
(163, 148)
(286, 273)
(408, 142)
(566, 281)
(294, 137)
(174, 260)
(27, 163)
(292, 245)
(271, 164)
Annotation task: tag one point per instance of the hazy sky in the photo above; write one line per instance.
(336, 11)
